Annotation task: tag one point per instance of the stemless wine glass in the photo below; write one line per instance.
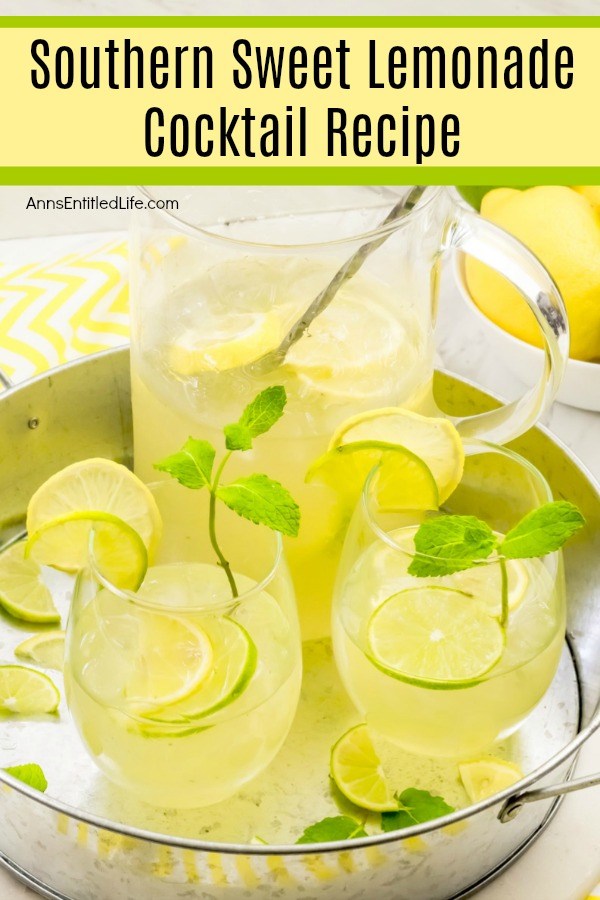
(218, 285)
(429, 661)
(181, 693)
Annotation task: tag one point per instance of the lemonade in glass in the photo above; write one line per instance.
(444, 665)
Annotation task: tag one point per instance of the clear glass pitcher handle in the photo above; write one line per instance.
(469, 233)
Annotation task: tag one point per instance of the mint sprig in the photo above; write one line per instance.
(414, 808)
(257, 498)
(332, 828)
(30, 774)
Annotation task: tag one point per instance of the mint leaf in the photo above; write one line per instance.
(542, 531)
(192, 465)
(262, 501)
(450, 544)
(258, 417)
(30, 774)
(415, 807)
(334, 828)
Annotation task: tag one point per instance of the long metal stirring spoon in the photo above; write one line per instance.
(275, 358)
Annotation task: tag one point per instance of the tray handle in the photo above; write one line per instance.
(513, 806)
(5, 380)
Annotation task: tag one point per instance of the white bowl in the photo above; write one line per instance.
(581, 384)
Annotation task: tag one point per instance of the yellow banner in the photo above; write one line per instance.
(126, 96)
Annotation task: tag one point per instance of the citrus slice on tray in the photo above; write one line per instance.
(403, 481)
(241, 339)
(23, 594)
(234, 659)
(97, 486)
(434, 637)
(119, 553)
(434, 440)
(27, 692)
(45, 649)
(357, 771)
(482, 778)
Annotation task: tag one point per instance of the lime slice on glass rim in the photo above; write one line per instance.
(119, 553)
(403, 481)
(27, 692)
(45, 649)
(482, 778)
(435, 441)
(357, 772)
(97, 486)
(233, 663)
(23, 594)
(434, 637)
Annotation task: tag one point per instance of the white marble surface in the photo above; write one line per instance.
(306, 8)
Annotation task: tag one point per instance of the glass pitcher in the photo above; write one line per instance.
(219, 285)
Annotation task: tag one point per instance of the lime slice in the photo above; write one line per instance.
(23, 594)
(241, 339)
(357, 772)
(26, 692)
(234, 659)
(435, 441)
(97, 485)
(403, 481)
(119, 552)
(174, 656)
(485, 777)
(434, 637)
(46, 649)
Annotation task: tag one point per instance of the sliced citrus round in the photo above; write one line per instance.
(482, 778)
(45, 649)
(234, 659)
(240, 339)
(434, 440)
(98, 486)
(27, 692)
(357, 772)
(173, 657)
(434, 637)
(403, 481)
(119, 553)
(23, 594)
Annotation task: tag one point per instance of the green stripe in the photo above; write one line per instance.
(463, 175)
(340, 22)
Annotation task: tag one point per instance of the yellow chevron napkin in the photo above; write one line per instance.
(60, 298)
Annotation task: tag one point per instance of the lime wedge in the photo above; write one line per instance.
(26, 692)
(234, 659)
(119, 552)
(23, 594)
(357, 772)
(434, 637)
(100, 486)
(243, 338)
(482, 778)
(403, 482)
(434, 440)
(45, 649)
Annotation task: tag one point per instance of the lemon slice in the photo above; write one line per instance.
(482, 778)
(403, 482)
(435, 441)
(27, 692)
(118, 550)
(234, 659)
(243, 338)
(98, 485)
(434, 637)
(46, 649)
(174, 656)
(23, 594)
(356, 769)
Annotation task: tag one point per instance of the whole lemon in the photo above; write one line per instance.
(562, 227)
